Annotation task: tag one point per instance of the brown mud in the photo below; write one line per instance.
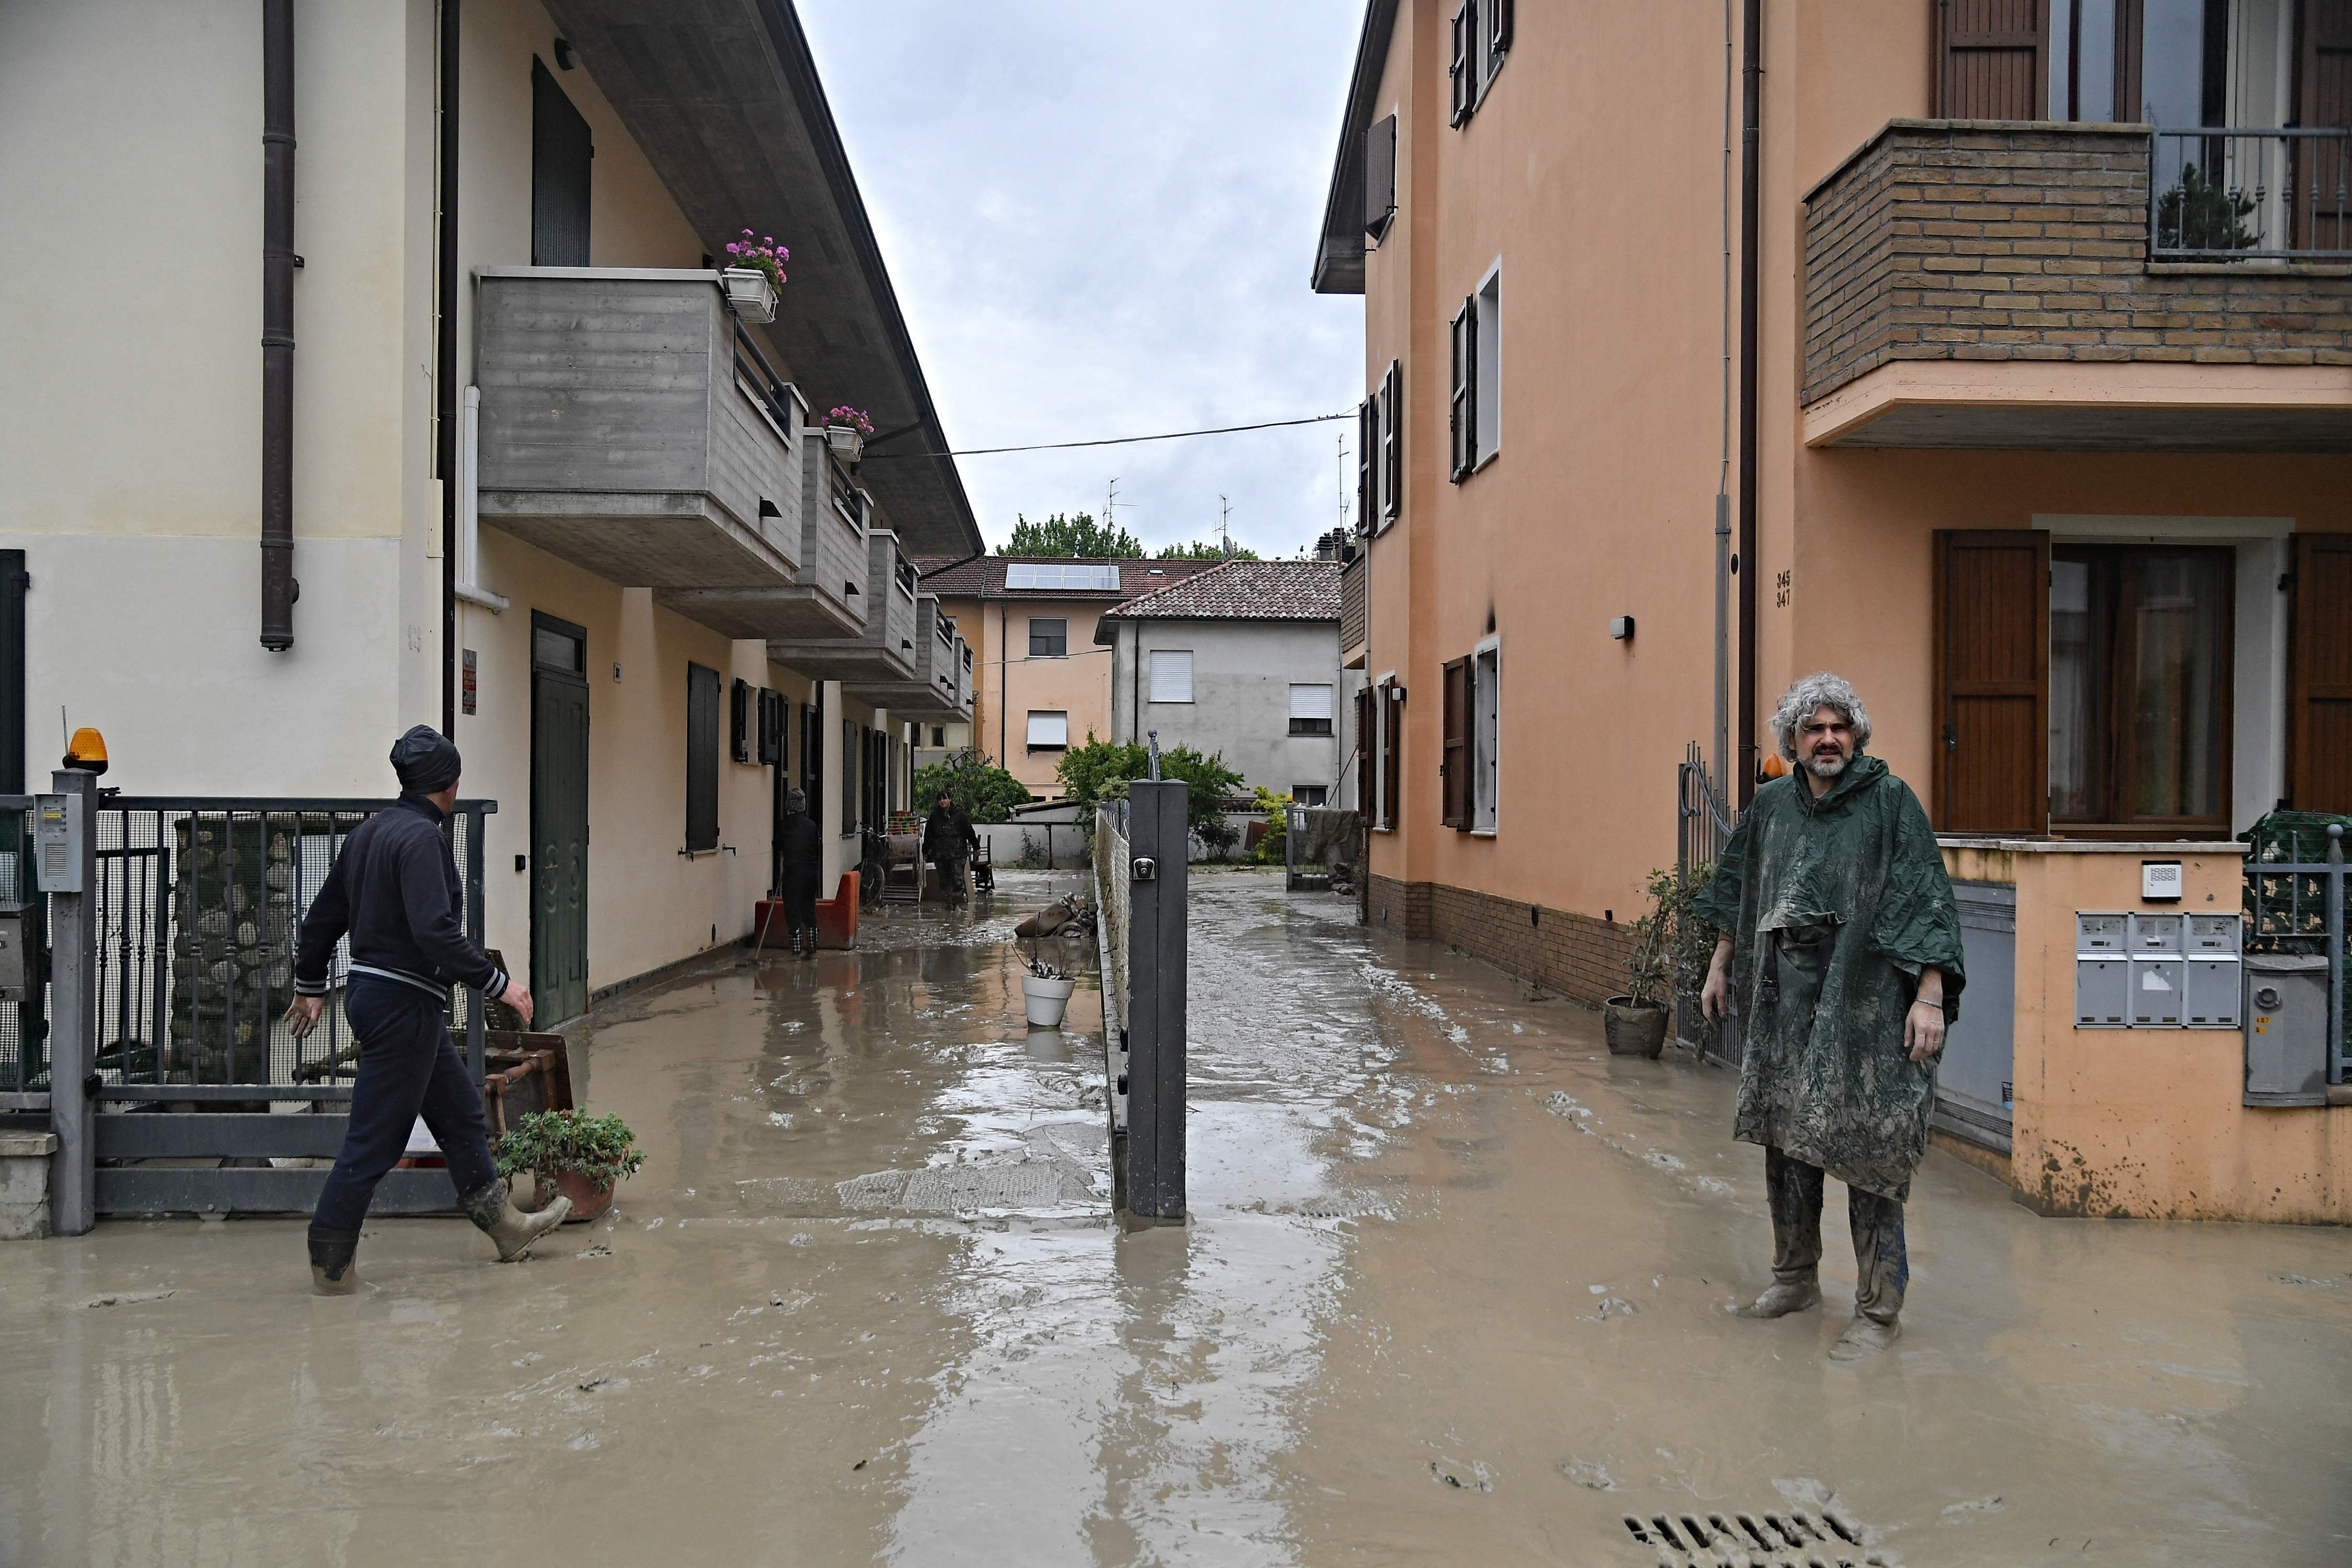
(1455, 1290)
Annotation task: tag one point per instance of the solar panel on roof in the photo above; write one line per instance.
(1074, 576)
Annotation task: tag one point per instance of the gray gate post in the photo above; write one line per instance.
(73, 1035)
(1158, 833)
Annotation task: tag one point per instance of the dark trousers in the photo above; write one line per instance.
(1882, 1266)
(800, 901)
(408, 1066)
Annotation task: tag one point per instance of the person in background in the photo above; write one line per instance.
(1839, 934)
(800, 870)
(949, 842)
(394, 892)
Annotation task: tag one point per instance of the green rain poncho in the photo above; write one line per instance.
(1834, 906)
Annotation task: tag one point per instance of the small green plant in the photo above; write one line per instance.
(1273, 849)
(2200, 213)
(1672, 944)
(550, 1142)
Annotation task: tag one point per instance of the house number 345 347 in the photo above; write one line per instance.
(1780, 592)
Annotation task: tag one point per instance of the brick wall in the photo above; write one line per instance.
(1994, 240)
(1580, 956)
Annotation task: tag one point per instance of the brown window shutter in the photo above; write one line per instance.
(1367, 441)
(1463, 420)
(1455, 771)
(1992, 60)
(1992, 681)
(1392, 441)
(2324, 100)
(1364, 752)
(2319, 683)
(1465, 78)
(1379, 176)
(1392, 755)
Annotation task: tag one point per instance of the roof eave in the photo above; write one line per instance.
(1339, 253)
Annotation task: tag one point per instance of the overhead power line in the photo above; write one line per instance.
(872, 456)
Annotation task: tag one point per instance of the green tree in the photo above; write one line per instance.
(1076, 535)
(1205, 550)
(986, 792)
(1087, 770)
(1100, 769)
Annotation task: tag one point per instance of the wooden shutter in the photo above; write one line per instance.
(1391, 754)
(1992, 60)
(1465, 415)
(1364, 782)
(2325, 168)
(1992, 680)
(1453, 771)
(701, 758)
(1379, 176)
(1498, 24)
(738, 720)
(561, 153)
(1368, 459)
(2319, 683)
(1463, 69)
(1392, 441)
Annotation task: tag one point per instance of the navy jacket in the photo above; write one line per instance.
(799, 849)
(395, 890)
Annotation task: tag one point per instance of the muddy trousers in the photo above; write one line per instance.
(1882, 1267)
(408, 1066)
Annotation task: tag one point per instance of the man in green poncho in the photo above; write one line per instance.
(1837, 932)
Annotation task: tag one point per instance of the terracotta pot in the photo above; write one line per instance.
(588, 1199)
(1634, 1029)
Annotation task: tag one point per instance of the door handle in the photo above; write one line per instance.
(1951, 738)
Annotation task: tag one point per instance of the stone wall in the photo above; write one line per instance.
(1581, 957)
(2000, 240)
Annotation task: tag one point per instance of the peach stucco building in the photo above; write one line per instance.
(2002, 380)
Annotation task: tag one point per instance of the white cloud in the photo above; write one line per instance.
(1099, 221)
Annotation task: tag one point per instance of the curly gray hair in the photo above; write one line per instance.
(1818, 690)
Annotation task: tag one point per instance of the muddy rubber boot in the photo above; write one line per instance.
(1866, 1337)
(495, 1216)
(1784, 1296)
(333, 1262)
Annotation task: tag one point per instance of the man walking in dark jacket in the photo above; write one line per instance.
(800, 870)
(394, 892)
(949, 841)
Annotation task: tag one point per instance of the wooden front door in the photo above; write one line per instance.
(2322, 187)
(558, 819)
(2319, 693)
(1992, 642)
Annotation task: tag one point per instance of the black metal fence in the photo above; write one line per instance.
(2296, 892)
(1703, 825)
(2239, 194)
(24, 1015)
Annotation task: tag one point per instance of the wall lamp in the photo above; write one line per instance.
(1621, 628)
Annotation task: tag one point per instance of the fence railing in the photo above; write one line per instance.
(2295, 890)
(2242, 194)
(1703, 825)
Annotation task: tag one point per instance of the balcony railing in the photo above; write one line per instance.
(2231, 195)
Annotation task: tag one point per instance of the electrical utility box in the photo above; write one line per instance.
(56, 843)
(2286, 1029)
(2102, 971)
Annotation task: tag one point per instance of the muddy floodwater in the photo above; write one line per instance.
(1454, 1291)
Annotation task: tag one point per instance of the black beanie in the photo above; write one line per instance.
(426, 761)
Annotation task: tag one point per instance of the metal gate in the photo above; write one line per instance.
(170, 1081)
(1703, 827)
(1141, 893)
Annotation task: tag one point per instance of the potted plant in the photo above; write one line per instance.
(845, 431)
(1635, 1023)
(753, 274)
(572, 1152)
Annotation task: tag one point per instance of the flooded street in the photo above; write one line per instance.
(1454, 1291)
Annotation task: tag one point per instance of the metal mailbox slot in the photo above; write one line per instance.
(2213, 991)
(2286, 1029)
(2102, 992)
(2155, 933)
(2097, 933)
(2156, 985)
(2216, 933)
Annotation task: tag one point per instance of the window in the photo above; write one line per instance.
(1311, 794)
(1380, 177)
(1379, 452)
(774, 720)
(1076, 576)
(2140, 672)
(561, 153)
(848, 779)
(738, 720)
(1391, 728)
(701, 758)
(1481, 34)
(1485, 726)
(1463, 419)
(1488, 396)
(1172, 675)
(1310, 709)
(1049, 638)
(939, 736)
(1048, 731)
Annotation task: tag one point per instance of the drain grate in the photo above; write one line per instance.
(1771, 1538)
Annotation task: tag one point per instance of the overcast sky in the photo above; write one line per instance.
(1100, 220)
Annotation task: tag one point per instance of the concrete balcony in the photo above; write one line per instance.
(885, 654)
(1999, 284)
(917, 694)
(824, 597)
(624, 428)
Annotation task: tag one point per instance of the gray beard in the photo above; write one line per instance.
(1823, 768)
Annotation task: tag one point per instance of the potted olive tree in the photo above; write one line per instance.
(754, 276)
(572, 1152)
(1665, 939)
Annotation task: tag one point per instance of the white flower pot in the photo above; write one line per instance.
(749, 290)
(847, 441)
(1047, 999)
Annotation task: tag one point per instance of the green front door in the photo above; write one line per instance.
(558, 819)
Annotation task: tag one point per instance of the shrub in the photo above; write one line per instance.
(1272, 849)
(550, 1143)
(986, 792)
(1673, 945)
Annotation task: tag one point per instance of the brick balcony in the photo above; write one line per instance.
(1973, 241)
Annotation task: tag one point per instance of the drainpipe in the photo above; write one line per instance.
(279, 589)
(456, 490)
(1744, 562)
(469, 554)
(1719, 748)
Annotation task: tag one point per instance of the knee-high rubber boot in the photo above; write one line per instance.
(333, 1261)
(495, 1216)
(1793, 1192)
(1882, 1264)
